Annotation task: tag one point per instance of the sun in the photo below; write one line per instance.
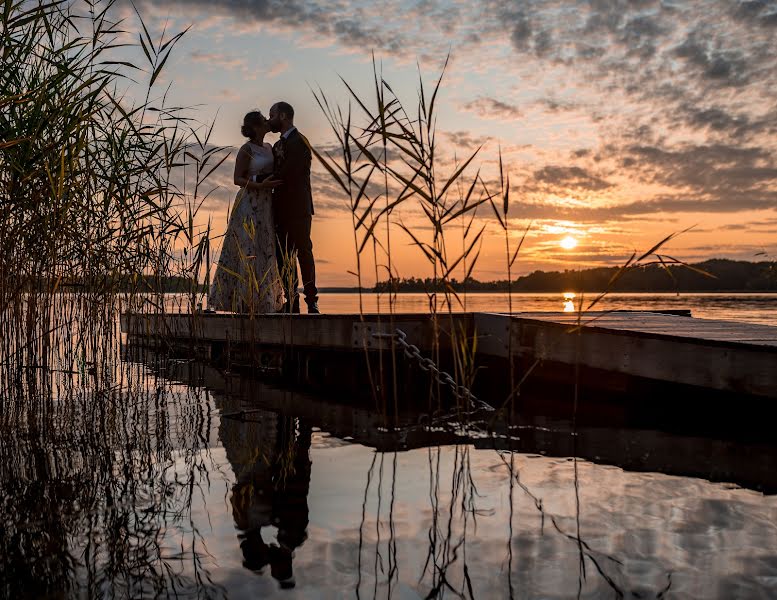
(568, 243)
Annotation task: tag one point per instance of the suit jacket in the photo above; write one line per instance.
(294, 199)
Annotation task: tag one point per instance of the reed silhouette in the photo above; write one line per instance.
(101, 183)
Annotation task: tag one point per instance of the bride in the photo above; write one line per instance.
(246, 278)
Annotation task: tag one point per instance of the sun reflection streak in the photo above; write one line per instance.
(569, 301)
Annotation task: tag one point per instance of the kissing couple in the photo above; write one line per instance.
(269, 225)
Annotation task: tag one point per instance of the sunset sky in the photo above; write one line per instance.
(619, 122)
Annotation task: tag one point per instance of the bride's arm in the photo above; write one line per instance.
(242, 162)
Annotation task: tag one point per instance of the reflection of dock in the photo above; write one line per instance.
(749, 464)
(614, 349)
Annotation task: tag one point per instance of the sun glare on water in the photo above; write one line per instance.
(568, 243)
(569, 302)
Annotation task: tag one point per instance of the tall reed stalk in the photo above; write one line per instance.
(398, 144)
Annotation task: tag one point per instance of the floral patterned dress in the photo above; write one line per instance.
(246, 278)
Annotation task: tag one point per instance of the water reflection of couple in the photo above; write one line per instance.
(270, 457)
(269, 225)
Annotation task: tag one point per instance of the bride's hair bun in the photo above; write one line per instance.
(250, 121)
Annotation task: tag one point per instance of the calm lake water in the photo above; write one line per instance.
(149, 482)
(753, 308)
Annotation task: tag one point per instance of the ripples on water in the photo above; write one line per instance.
(162, 488)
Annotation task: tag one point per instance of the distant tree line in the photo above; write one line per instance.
(721, 275)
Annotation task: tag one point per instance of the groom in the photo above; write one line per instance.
(293, 209)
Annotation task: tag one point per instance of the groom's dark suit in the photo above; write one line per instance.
(293, 209)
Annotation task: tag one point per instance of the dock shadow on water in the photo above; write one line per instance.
(182, 480)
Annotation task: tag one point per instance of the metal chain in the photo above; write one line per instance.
(427, 364)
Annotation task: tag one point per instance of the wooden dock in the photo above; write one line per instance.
(728, 357)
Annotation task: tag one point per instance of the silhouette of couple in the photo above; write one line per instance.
(269, 226)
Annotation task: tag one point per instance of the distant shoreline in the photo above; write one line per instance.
(711, 276)
(714, 276)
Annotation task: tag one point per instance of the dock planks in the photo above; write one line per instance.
(669, 326)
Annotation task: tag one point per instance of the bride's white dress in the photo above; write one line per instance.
(246, 278)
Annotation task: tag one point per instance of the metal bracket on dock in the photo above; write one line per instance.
(377, 336)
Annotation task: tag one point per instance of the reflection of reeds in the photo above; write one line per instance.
(97, 490)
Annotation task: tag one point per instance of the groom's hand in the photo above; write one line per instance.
(268, 184)
(267, 179)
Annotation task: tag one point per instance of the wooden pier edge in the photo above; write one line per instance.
(731, 357)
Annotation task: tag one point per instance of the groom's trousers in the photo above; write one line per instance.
(293, 236)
